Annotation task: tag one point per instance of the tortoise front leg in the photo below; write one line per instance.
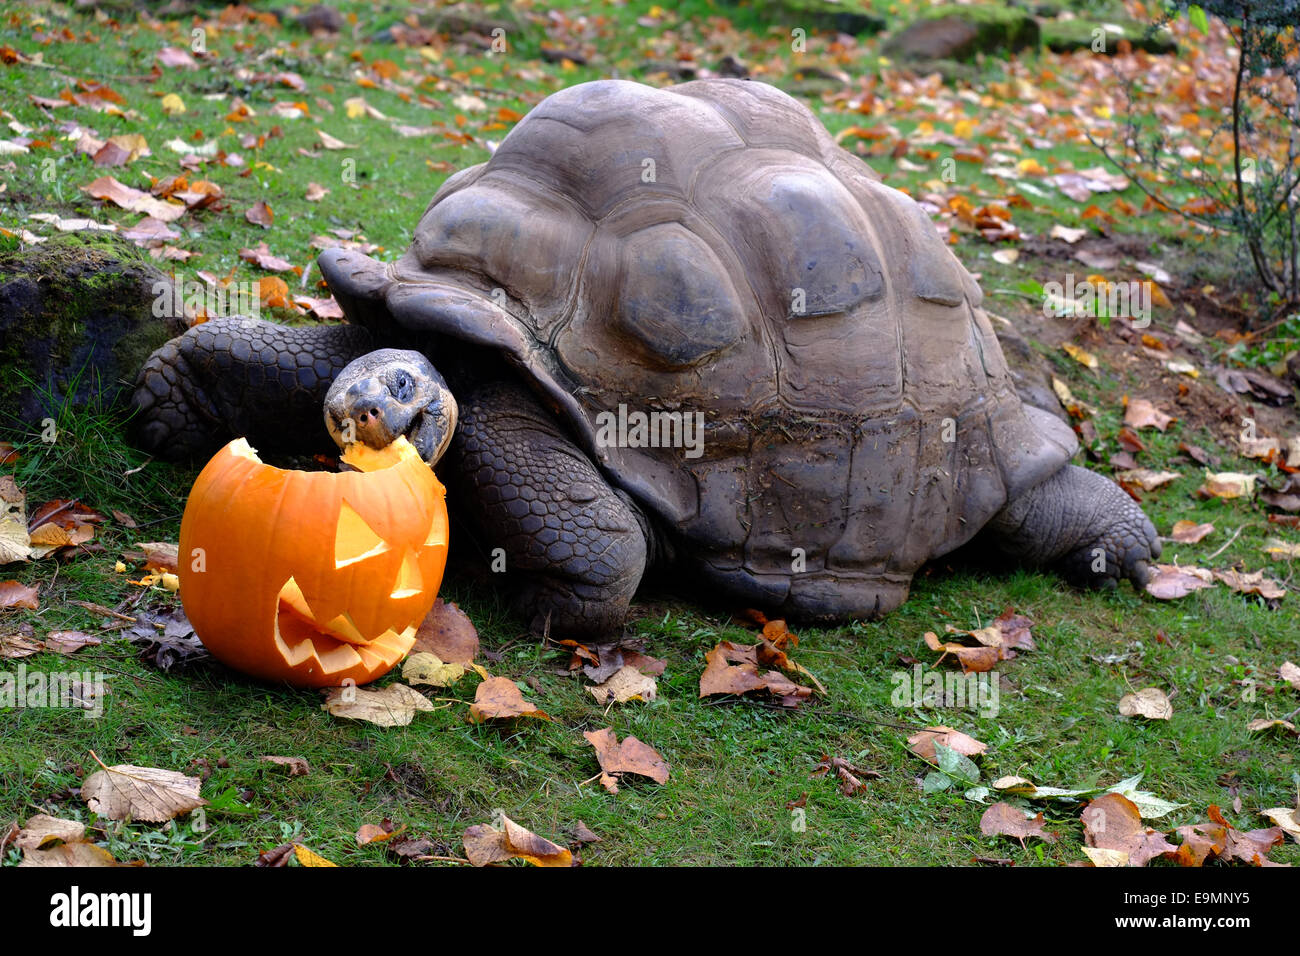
(234, 376)
(1082, 525)
(574, 546)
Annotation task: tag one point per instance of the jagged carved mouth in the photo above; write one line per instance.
(339, 643)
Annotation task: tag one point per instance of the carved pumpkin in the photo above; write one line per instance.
(312, 577)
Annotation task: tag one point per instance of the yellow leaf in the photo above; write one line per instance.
(307, 858)
(1082, 356)
(173, 105)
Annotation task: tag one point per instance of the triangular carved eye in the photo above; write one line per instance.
(355, 540)
(409, 580)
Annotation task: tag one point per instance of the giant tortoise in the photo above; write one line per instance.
(681, 326)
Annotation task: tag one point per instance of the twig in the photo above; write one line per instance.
(1226, 543)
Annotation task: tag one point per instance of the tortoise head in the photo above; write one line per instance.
(388, 393)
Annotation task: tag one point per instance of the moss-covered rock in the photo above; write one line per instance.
(850, 16)
(1097, 36)
(76, 324)
(956, 32)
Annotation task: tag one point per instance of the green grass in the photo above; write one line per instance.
(735, 764)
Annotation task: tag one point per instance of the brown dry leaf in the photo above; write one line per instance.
(274, 292)
(1140, 413)
(370, 833)
(133, 200)
(15, 544)
(499, 698)
(68, 642)
(394, 706)
(329, 142)
(160, 556)
(733, 669)
(306, 857)
(485, 844)
(1016, 631)
(297, 766)
(1264, 723)
(972, 659)
(426, 668)
(849, 776)
(126, 792)
(630, 756)
(922, 743)
(1114, 822)
(42, 829)
(260, 214)
(1173, 581)
(1149, 702)
(17, 594)
(315, 192)
(261, 256)
(77, 854)
(1254, 582)
(1189, 532)
(448, 633)
(1290, 673)
(15, 646)
(626, 683)
(1002, 819)
(1227, 484)
(1220, 839)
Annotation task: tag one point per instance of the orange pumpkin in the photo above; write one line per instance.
(312, 577)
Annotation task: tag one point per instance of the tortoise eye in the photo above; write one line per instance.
(402, 387)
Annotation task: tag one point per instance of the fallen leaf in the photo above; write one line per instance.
(15, 543)
(17, 594)
(306, 857)
(42, 829)
(1172, 581)
(68, 642)
(1140, 413)
(425, 668)
(629, 756)
(394, 706)
(1290, 673)
(1227, 484)
(1287, 820)
(485, 844)
(1069, 235)
(732, 668)
(126, 792)
(1189, 532)
(500, 698)
(972, 659)
(1150, 703)
(1254, 582)
(1002, 819)
(315, 192)
(627, 683)
(1146, 479)
(260, 214)
(1264, 723)
(922, 743)
(297, 766)
(262, 257)
(1082, 356)
(1114, 822)
(448, 633)
(849, 776)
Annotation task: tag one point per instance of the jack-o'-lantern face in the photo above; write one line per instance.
(312, 577)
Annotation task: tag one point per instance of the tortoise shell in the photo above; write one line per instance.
(709, 249)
